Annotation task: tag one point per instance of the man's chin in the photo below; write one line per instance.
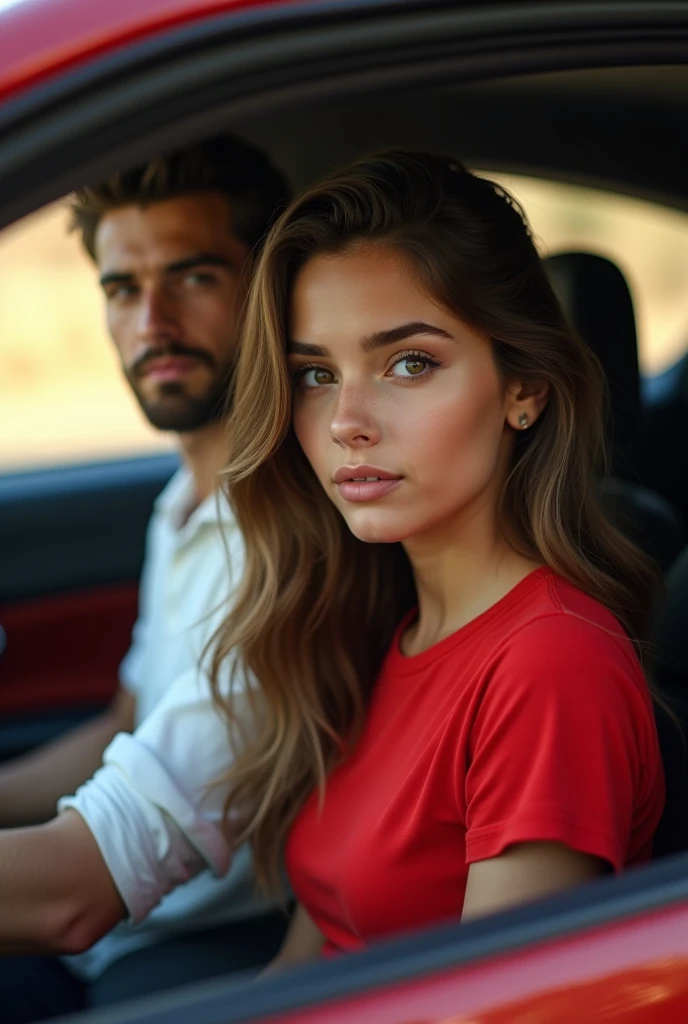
(181, 416)
(169, 406)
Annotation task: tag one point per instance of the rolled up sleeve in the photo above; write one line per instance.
(156, 807)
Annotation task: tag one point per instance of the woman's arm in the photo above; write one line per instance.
(525, 872)
(522, 873)
(303, 942)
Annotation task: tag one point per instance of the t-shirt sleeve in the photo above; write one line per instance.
(156, 808)
(561, 744)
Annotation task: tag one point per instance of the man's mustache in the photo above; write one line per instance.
(174, 348)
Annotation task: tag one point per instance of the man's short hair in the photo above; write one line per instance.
(256, 190)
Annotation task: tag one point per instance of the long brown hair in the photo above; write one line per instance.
(317, 608)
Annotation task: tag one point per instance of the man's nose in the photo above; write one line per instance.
(355, 423)
(156, 316)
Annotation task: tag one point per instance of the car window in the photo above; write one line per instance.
(647, 241)
(62, 395)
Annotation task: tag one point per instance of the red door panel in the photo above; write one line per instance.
(634, 971)
(64, 650)
(644, 996)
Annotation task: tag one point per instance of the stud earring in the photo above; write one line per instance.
(523, 420)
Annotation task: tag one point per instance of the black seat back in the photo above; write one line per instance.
(646, 518)
(672, 833)
(597, 303)
(670, 648)
(669, 656)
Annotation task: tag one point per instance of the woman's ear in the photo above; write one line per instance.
(525, 402)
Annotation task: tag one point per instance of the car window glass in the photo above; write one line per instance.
(62, 396)
(647, 241)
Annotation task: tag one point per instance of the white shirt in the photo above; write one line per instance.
(154, 808)
(192, 563)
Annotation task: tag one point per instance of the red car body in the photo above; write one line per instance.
(625, 962)
(40, 38)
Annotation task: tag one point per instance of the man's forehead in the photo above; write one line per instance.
(161, 232)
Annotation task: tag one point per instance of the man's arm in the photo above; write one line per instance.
(149, 820)
(31, 785)
(56, 893)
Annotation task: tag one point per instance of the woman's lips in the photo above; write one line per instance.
(365, 483)
(367, 490)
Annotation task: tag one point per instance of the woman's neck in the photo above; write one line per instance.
(460, 571)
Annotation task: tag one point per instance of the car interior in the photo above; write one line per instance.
(71, 537)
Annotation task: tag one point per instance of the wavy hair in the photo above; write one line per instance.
(318, 607)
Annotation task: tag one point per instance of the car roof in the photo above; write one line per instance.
(567, 110)
(41, 37)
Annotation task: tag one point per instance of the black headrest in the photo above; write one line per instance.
(597, 303)
(646, 518)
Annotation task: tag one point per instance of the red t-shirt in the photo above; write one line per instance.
(532, 722)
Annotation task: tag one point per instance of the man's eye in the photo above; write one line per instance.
(200, 278)
(121, 291)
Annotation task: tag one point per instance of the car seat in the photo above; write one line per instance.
(597, 303)
(663, 464)
(668, 657)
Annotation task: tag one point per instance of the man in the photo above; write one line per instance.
(171, 241)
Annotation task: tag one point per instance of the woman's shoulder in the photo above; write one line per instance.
(555, 605)
(565, 634)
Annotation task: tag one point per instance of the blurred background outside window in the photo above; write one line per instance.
(62, 396)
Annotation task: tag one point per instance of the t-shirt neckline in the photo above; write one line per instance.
(412, 663)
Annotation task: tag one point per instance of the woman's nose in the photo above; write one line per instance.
(354, 424)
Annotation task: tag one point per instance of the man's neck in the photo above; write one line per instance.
(204, 454)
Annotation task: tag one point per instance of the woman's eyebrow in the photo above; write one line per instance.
(302, 348)
(400, 333)
(378, 340)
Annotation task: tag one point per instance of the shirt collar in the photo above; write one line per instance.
(178, 496)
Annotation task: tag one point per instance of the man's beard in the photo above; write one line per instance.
(172, 408)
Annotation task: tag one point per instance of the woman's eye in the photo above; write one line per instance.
(315, 377)
(411, 366)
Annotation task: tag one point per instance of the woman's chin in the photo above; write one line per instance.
(374, 528)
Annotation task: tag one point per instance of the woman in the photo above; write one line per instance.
(453, 716)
